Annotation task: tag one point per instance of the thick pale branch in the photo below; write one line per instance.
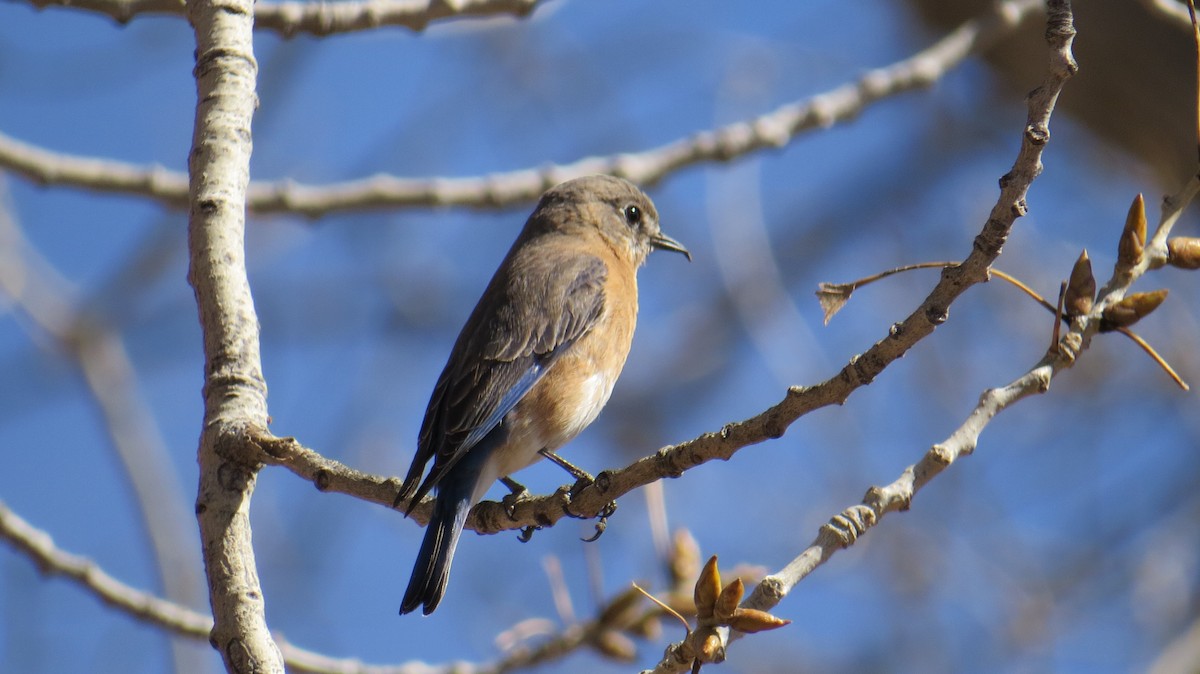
(772, 130)
(320, 18)
(234, 390)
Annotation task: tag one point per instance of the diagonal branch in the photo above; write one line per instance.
(319, 18)
(845, 528)
(39, 547)
(769, 131)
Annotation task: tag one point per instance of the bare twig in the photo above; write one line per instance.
(772, 130)
(845, 528)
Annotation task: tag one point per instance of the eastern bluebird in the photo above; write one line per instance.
(536, 360)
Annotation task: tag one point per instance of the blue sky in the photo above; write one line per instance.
(1067, 543)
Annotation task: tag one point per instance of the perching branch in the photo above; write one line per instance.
(772, 130)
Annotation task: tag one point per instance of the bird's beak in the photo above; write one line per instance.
(661, 241)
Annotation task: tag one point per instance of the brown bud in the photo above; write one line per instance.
(709, 648)
(1081, 289)
(1133, 237)
(1184, 252)
(615, 645)
(1131, 309)
(728, 602)
(751, 620)
(708, 588)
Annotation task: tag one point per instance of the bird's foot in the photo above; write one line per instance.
(602, 524)
(517, 493)
(526, 534)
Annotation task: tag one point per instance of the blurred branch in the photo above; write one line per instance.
(615, 616)
(1181, 654)
(291, 18)
(40, 294)
(772, 130)
(234, 389)
(1172, 9)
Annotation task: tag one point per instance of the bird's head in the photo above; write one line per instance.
(621, 213)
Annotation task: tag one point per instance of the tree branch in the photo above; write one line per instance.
(769, 131)
(844, 529)
(39, 547)
(616, 615)
(291, 18)
(234, 390)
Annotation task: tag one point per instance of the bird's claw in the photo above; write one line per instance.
(527, 533)
(605, 512)
(511, 500)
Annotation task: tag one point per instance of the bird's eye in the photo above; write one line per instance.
(633, 214)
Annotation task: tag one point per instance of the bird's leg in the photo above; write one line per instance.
(582, 480)
(576, 472)
(517, 493)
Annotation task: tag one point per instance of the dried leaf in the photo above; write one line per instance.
(832, 297)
